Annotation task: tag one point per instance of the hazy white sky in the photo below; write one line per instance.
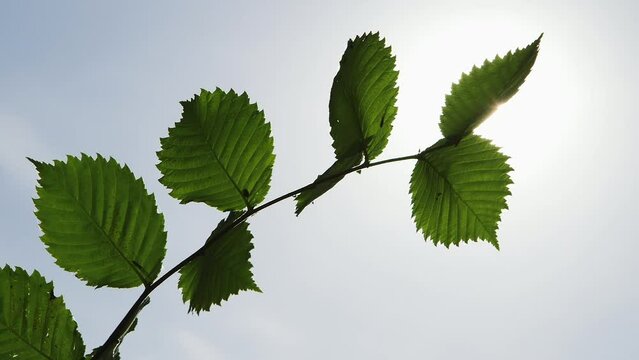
(350, 278)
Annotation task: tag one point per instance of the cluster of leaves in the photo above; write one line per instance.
(99, 222)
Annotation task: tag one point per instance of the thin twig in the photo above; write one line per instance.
(130, 316)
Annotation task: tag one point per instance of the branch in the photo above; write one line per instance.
(124, 325)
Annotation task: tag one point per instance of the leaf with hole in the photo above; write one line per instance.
(34, 323)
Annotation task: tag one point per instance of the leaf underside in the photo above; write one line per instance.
(223, 270)
(361, 108)
(363, 95)
(34, 323)
(99, 222)
(306, 197)
(478, 93)
(220, 152)
(458, 192)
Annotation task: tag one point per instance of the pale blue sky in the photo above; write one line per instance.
(350, 278)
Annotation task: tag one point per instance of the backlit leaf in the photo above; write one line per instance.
(458, 192)
(361, 109)
(479, 92)
(220, 153)
(306, 197)
(34, 322)
(223, 270)
(362, 103)
(99, 222)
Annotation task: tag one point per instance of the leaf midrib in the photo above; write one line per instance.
(492, 238)
(228, 176)
(137, 272)
(208, 143)
(358, 118)
(347, 88)
(17, 335)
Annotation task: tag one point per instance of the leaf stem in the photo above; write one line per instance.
(127, 320)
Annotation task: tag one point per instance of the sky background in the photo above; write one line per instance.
(350, 278)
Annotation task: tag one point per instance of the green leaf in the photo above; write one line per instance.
(481, 91)
(99, 222)
(458, 192)
(361, 110)
(34, 323)
(362, 103)
(325, 182)
(223, 270)
(220, 153)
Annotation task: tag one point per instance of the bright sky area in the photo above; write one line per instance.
(350, 278)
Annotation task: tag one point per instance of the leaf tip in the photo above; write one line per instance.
(298, 209)
(35, 163)
(495, 244)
